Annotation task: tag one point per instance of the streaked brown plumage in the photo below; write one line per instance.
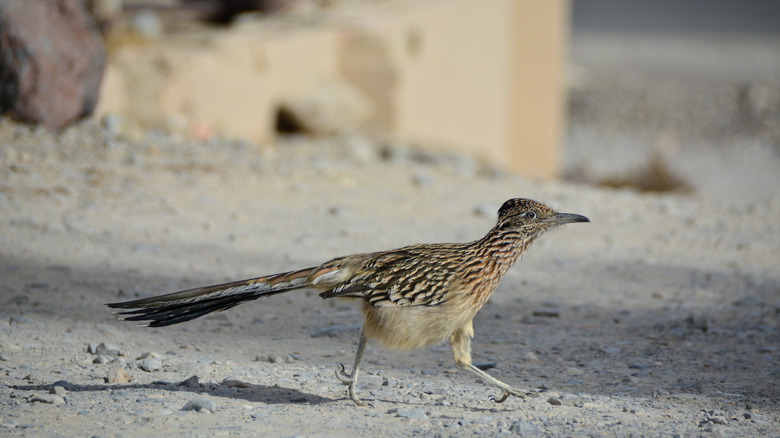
(412, 296)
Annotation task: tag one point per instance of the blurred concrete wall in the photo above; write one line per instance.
(484, 77)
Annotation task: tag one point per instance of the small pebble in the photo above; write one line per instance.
(485, 365)
(200, 405)
(531, 357)
(105, 349)
(148, 355)
(717, 419)
(48, 398)
(275, 358)
(555, 401)
(191, 382)
(117, 374)
(546, 313)
(150, 362)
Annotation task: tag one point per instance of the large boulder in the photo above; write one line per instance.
(51, 61)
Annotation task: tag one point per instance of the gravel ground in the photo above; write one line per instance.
(661, 317)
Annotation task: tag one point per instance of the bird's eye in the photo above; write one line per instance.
(529, 215)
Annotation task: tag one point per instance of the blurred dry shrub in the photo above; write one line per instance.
(654, 175)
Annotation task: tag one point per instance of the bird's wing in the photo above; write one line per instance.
(409, 276)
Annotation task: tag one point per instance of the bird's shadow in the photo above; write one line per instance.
(248, 392)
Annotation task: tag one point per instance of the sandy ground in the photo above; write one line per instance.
(661, 317)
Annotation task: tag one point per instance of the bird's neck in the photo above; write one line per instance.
(502, 248)
(496, 253)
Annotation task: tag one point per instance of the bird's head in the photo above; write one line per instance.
(531, 217)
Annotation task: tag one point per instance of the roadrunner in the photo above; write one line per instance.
(412, 296)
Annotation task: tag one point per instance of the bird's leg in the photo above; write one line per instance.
(507, 390)
(460, 341)
(350, 379)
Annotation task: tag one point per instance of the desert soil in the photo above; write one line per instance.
(661, 317)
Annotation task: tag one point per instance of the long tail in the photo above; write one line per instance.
(189, 304)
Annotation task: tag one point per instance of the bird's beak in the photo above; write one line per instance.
(565, 218)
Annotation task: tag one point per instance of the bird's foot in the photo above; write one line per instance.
(349, 380)
(358, 401)
(506, 392)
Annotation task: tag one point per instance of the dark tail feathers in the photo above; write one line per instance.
(189, 304)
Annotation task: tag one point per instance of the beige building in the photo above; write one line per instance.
(481, 77)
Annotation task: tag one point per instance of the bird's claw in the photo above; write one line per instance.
(361, 403)
(507, 392)
(343, 375)
(504, 396)
(349, 380)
